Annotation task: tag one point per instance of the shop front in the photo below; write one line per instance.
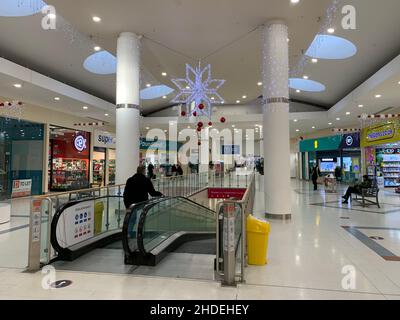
(339, 155)
(104, 158)
(382, 152)
(69, 159)
(21, 158)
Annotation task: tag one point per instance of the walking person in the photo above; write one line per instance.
(316, 173)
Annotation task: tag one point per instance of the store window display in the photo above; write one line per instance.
(68, 159)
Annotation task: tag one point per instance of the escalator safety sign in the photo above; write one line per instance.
(36, 220)
(229, 234)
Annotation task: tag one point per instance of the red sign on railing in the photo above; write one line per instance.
(226, 193)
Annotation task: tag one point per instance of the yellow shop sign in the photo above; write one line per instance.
(380, 134)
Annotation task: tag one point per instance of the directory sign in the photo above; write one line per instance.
(76, 224)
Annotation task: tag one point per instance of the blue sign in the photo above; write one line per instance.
(350, 141)
(230, 149)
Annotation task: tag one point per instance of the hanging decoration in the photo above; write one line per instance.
(371, 119)
(199, 88)
(11, 109)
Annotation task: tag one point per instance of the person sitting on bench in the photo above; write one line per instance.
(366, 184)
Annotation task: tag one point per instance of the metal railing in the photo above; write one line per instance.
(44, 208)
(231, 247)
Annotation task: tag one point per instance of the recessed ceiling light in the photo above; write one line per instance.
(314, 60)
(188, 127)
(331, 30)
(96, 19)
(233, 126)
(378, 96)
(212, 98)
(360, 105)
(287, 39)
(97, 48)
(165, 131)
(164, 74)
(259, 84)
(330, 123)
(294, 1)
(305, 77)
(147, 128)
(18, 85)
(85, 107)
(312, 127)
(237, 101)
(297, 130)
(338, 119)
(348, 113)
(295, 120)
(244, 97)
(187, 87)
(298, 91)
(57, 98)
(164, 97)
(148, 85)
(106, 114)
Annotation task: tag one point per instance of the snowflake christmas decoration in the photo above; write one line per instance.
(198, 88)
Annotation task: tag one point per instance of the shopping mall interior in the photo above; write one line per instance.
(270, 128)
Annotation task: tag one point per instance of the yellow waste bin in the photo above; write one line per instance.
(257, 241)
(98, 217)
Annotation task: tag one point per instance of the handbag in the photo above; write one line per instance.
(321, 180)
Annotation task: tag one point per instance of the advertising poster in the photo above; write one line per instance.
(21, 188)
(76, 224)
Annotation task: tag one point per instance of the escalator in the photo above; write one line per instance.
(150, 230)
(153, 230)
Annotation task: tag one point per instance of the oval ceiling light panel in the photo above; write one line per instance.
(20, 8)
(331, 47)
(306, 85)
(155, 92)
(101, 62)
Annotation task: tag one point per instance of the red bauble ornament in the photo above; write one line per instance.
(201, 106)
(2, 104)
(19, 103)
(200, 124)
(199, 143)
(195, 114)
(183, 113)
(223, 120)
(9, 104)
(198, 129)
(210, 123)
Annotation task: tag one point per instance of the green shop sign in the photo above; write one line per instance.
(159, 145)
(321, 144)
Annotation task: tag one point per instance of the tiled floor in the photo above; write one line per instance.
(310, 257)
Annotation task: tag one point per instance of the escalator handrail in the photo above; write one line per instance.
(128, 216)
(54, 222)
(146, 210)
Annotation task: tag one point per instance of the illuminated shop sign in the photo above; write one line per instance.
(80, 143)
(381, 133)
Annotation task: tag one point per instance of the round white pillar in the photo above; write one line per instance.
(128, 110)
(276, 121)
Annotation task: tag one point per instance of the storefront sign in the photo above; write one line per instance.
(80, 143)
(76, 224)
(225, 193)
(231, 149)
(350, 141)
(104, 139)
(321, 144)
(380, 134)
(21, 188)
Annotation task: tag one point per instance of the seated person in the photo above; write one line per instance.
(366, 184)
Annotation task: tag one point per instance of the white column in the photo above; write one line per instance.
(128, 111)
(276, 121)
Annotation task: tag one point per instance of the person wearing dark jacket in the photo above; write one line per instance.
(179, 170)
(314, 176)
(366, 184)
(138, 188)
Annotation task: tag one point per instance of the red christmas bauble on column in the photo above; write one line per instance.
(199, 143)
(223, 120)
(200, 124)
(210, 123)
(201, 106)
(198, 129)
(183, 113)
(2, 104)
(195, 114)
